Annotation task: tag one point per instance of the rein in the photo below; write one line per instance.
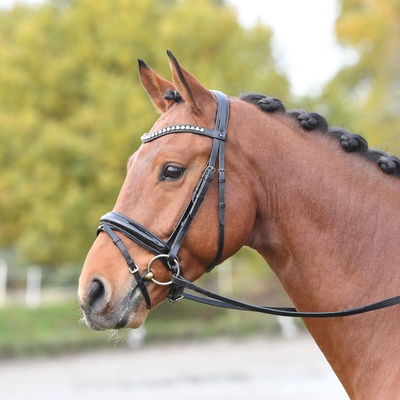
(216, 300)
(167, 252)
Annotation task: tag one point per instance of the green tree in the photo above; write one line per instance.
(72, 109)
(366, 96)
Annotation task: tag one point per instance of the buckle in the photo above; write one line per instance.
(175, 294)
(134, 269)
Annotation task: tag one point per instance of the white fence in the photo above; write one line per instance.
(35, 285)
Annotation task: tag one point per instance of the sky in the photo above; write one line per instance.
(304, 41)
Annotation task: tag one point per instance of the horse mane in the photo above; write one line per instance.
(311, 121)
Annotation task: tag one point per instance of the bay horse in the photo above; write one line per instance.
(310, 198)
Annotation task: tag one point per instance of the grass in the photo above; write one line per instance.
(49, 329)
(55, 329)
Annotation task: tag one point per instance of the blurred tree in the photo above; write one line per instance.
(72, 109)
(365, 97)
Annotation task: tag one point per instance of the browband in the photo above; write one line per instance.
(199, 130)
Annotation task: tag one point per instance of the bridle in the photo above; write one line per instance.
(168, 252)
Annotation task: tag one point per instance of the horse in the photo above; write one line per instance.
(321, 208)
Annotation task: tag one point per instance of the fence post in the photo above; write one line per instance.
(3, 282)
(33, 286)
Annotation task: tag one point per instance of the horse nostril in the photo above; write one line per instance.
(96, 295)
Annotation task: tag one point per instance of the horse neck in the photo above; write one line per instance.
(320, 209)
(328, 224)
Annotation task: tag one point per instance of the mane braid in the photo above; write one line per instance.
(268, 104)
(348, 141)
(172, 95)
(311, 121)
(388, 164)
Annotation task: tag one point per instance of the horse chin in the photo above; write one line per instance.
(129, 312)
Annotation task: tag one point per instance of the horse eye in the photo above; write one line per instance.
(172, 172)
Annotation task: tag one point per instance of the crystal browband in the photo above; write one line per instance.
(147, 137)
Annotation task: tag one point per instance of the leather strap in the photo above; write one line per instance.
(133, 268)
(216, 300)
(134, 231)
(217, 150)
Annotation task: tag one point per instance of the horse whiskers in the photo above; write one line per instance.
(117, 336)
(82, 319)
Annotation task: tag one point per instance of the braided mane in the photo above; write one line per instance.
(311, 121)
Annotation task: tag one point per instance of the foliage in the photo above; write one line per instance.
(72, 109)
(365, 97)
(46, 330)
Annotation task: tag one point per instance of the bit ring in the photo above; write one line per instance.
(149, 272)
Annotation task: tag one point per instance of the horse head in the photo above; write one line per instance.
(166, 180)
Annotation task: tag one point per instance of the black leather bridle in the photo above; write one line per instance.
(168, 251)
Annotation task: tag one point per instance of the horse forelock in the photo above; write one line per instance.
(311, 121)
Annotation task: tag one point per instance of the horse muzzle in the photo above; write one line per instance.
(103, 308)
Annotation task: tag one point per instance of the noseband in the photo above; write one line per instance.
(168, 251)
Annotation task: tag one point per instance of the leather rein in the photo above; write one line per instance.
(167, 252)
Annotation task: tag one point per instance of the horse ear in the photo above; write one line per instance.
(191, 90)
(155, 86)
